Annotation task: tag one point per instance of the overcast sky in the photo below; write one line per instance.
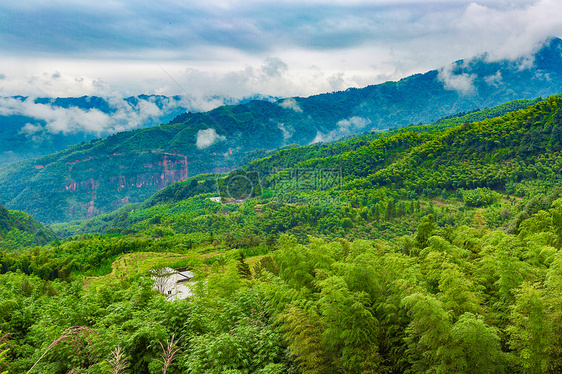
(241, 48)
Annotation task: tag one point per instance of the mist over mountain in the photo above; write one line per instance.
(304, 187)
(102, 175)
(34, 127)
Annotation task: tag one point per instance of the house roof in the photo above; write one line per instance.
(184, 276)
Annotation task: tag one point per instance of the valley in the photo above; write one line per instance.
(406, 227)
(435, 237)
(102, 175)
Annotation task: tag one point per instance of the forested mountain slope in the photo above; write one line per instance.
(34, 127)
(376, 176)
(18, 230)
(102, 175)
(437, 249)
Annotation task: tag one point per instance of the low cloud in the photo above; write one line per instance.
(31, 129)
(57, 119)
(345, 127)
(353, 124)
(208, 137)
(287, 131)
(290, 104)
(494, 80)
(461, 82)
(514, 31)
(122, 116)
(35, 133)
(542, 76)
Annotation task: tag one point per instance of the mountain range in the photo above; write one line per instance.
(497, 148)
(440, 243)
(35, 127)
(101, 175)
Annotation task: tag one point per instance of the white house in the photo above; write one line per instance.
(174, 283)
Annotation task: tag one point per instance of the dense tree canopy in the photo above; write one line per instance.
(436, 251)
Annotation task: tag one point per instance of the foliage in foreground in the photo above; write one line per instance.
(404, 269)
(463, 299)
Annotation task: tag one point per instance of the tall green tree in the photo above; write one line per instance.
(350, 331)
(530, 330)
(475, 347)
(428, 335)
(424, 231)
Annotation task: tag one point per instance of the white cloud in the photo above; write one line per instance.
(542, 76)
(511, 31)
(463, 83)
(287, 131)
(494, 80)
(125, 116)
(290, 104)
(273, 67)
(353, 124)
(344, 127)
(208, 137)
(31, 129)
(234, 48)
(321, 138)
(255, 77)
(35, 133)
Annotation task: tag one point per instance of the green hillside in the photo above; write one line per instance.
(17, 143)
(358, 161)
(427, 249)
(18, 230)
(100, 176)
